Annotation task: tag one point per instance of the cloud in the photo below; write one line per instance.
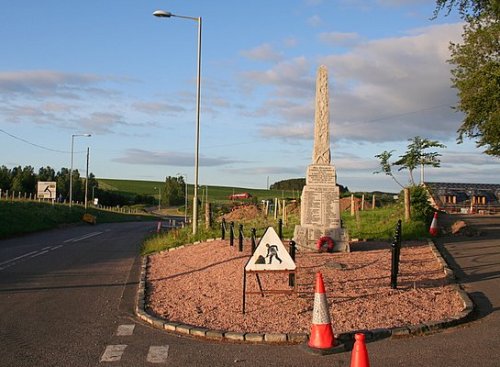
(339, 38)
(290, 42)
(101, 122)
(157, 108)
(271, 170)
(264, 52)
(176, 159)
(43, 83)
(290, 78)
(380, 90)
(315, 21)
(313, 2)
(400, 2)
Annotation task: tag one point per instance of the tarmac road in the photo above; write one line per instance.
(67, 296)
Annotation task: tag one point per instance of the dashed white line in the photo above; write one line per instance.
(19, 257)
(158, 354)
(84, 237)
(125, 330)
(113, 353)
(38, 254)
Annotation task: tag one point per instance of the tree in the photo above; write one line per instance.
(415, 156)
(4, 178)
(173, 191)
(24, 180)
(476, 73)
(62, 182)
(46, 174)
(386, 165)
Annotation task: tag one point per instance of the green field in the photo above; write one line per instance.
(215, 194)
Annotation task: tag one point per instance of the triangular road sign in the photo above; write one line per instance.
(270, 254)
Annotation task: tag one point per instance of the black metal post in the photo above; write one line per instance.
(240, 238)
(394, 266)
(398, 245)
(243, 302)
(280, 228)
(231, 234)
(223, 229)
(254, 236)
(291, 250)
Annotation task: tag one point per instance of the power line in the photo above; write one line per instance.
(30, 143)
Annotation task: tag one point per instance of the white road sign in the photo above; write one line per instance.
(46, 190)
(270, 254)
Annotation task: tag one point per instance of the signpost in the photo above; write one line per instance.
(270, 256)
(46, 190)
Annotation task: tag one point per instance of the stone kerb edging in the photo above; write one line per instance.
(295, 338)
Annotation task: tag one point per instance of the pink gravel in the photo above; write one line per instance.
(202, 285)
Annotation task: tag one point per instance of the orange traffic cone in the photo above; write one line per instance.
(434, 227)
(321, 330)
(359, 356)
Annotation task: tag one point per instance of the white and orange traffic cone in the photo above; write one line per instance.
(321, 330)
(433, 231)
(158, 227)
(359, 355)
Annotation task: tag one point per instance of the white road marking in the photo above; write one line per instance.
(125, 330)
(40, 253)
(113, 353)
(158, 354)
(47, 248)
(84, 237)
(56, 247)
(19, 257)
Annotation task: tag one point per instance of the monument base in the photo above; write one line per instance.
(306, 238)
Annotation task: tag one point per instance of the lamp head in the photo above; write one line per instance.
(162, 14)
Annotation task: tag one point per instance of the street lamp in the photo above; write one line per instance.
(159, 197)
(166, 14)
(185, 196)
(71, 169)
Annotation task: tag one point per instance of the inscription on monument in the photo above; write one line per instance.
(320, 175)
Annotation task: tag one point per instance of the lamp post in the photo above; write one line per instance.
(71, 167)
(159, 197)
(87, 178)
(185, 196)
(166, 14)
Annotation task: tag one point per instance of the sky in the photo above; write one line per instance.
(111, 69)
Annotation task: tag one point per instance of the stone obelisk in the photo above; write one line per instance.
(320, 209)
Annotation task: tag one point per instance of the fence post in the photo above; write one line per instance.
(291, 250)
(231, 234)
(280, 229)
(240, 238)
(398, 242)
(254, 235)
(394, 265)
(395, 255)
(223, 229)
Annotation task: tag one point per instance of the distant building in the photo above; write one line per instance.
(464, 197)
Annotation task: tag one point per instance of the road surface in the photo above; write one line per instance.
(67, 296)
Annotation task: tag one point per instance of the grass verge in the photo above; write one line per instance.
(378, 224)
(19, 217)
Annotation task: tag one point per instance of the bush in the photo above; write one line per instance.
(419, 201)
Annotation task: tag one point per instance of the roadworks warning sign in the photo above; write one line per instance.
(270, 254)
